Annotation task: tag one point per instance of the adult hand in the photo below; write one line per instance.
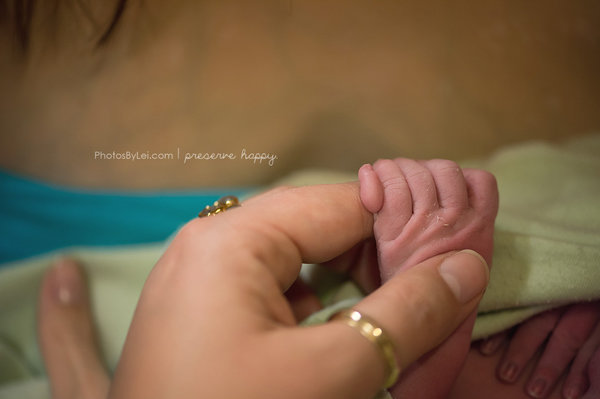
(212, 320)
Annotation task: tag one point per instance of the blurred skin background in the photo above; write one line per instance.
(321, 84)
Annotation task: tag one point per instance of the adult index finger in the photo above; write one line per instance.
(285, 227)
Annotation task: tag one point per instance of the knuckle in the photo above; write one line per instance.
(190, 231)
(418, 173)
(443, 165)
(424, 308)
(394, 183)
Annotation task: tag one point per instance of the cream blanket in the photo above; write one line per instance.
(547, 253)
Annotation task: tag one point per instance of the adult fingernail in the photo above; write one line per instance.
(67, 282)
(466, 274)
(537, 389)
(509, 372)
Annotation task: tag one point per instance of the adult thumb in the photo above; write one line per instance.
(417, 309)
(420, 307)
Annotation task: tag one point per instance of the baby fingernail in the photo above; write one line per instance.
(509, 372)
(466, 274)
(573, 392)
(538, 388)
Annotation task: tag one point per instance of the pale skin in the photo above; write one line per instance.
(461, 206)
(66, 99)
(229, 314)
(422, 209)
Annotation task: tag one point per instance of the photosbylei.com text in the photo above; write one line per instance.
(187, 157)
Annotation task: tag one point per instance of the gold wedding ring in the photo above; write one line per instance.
(369, 329)
(221, 205)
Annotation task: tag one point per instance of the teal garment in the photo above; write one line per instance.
(36, 218)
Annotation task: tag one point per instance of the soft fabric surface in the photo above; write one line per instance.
(547, 253)
(38, 217)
